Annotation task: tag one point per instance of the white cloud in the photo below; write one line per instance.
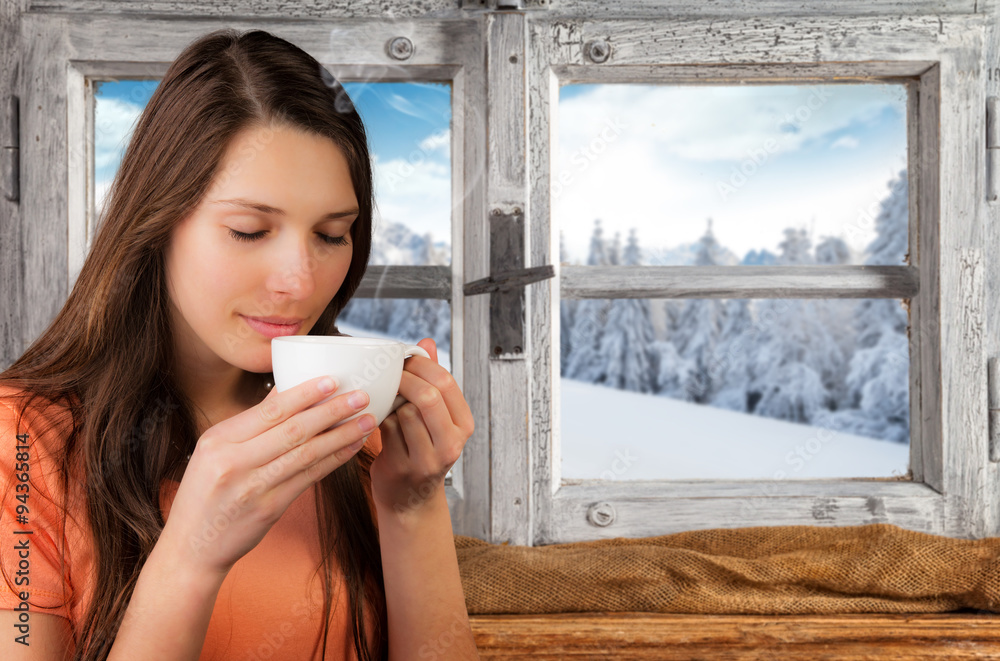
(714, 123)
(114, 120)
(845, 141)
(415, 194)
(437, 142)
(660, 172)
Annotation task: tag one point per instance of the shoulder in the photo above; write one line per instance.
(40, 428)
(35, 415)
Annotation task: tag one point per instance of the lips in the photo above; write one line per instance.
(268, 327)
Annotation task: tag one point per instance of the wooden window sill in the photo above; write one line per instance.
(960, 635)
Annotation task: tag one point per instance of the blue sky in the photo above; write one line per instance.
(754, 158)
(408, 132)
(661, 159)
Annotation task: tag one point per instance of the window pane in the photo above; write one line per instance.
(408, 127)
(782, 174)
(117, 106)
(409, 133)
(734, 389)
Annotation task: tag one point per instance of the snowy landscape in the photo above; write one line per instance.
(674, 388)
(781, 388)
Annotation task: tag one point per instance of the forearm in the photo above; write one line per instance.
(424, 598)
(167, 617)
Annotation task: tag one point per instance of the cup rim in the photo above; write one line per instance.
(333, 340)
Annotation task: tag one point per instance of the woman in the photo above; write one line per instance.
(167, 494)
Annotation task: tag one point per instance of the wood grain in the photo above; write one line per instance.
(670, 637)
(739, 281)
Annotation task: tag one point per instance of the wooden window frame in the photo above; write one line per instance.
(953, 481)
(70, 60)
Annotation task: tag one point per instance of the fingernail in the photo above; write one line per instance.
(357, 446)
(358, 399)
(327, 384)
(366, 423)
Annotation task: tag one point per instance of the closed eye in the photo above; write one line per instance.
(242, 236)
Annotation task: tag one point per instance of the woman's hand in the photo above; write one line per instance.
(246, 470)
(423, 438)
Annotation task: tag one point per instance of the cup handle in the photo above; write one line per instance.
(411, 350)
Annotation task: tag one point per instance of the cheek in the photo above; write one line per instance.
(336, 272)
(208, 276)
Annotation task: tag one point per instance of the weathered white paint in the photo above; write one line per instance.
(739, 281)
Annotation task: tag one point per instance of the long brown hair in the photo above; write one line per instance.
(108, 354)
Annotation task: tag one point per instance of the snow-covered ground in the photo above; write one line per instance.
(620, 435)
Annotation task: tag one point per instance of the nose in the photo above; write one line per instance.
(294, 271)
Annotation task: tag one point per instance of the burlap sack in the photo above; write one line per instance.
(876, 568)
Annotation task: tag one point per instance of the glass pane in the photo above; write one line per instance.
(409, 133)
(780, 174)
(117, 106)
(734, 389)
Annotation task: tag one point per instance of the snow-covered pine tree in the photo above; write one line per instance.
(615, 250)
(584, 362)
(699, 326)
(836, 314)
(794, 350)
(626, 347)
(878, 379)
(731, 360)
(567, 315)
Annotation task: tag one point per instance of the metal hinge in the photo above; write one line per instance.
(993, 398)
(506, 5)
(10, 162)
(992, 148)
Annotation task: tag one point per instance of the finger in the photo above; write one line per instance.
(441, 379)
(303, 467)
(416, 434)
(393, 445)
(430, 346)
(303, 428)
(272, 410)
(431, 404)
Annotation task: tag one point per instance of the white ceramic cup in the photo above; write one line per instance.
(356, 363)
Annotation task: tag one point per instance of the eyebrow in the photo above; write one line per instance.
(274, 211)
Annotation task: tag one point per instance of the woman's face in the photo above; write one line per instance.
(289, 190)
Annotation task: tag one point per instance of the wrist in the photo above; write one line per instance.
(429, 504)
(183, 573)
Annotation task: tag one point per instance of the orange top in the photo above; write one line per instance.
(269, 606)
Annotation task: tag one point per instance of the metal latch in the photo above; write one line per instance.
(992, 149)
(506, 283)
(11, 159)
(993, 399)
